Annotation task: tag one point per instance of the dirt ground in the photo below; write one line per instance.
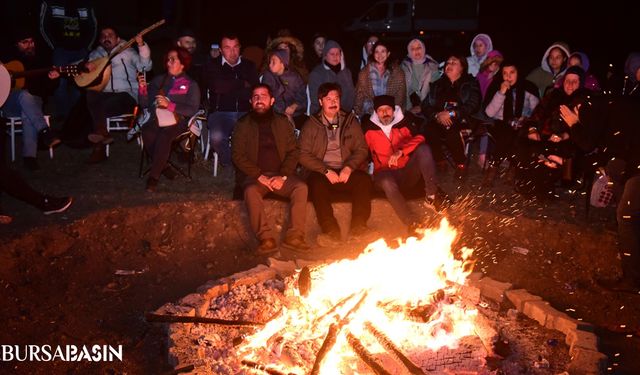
(58, 273)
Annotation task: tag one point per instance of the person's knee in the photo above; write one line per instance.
(251, 192)
(386, 183)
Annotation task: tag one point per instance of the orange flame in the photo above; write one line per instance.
(390, 283)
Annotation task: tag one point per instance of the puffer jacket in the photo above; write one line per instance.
(468, 98)
(124, 68)
(403, 136)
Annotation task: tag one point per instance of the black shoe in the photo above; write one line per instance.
(48, 138)
(31, 163)
(53, 205)
(98, 155)
(296, 243)
(169, 172)
(152, 184)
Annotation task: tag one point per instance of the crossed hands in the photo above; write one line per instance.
(570, 117)
(335, 178)
(271, 183)
(393, 159)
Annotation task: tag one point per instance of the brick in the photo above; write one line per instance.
(283, 268)
(555, 318)
(213, 289)
(519, 296)
(198, 302)
(587, 362)
(577, 339)
(492, 289)
(538, 311)
(470, 294)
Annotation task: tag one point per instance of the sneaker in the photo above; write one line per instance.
(152, 184)
(296, 243)
(267, 246)
(53, 205)
(133, 132)
(169, 172)
(31, 163)
(99, 138)
(48, 138)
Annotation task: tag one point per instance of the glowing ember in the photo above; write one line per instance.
(383, 308)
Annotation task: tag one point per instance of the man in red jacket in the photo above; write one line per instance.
(400, 158)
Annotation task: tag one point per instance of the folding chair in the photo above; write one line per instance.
(184, 142)
(122, 122)
(14, 124)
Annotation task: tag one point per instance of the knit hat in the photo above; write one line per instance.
(577, 71)
(381, 100)
(328, 45)
(283, 55)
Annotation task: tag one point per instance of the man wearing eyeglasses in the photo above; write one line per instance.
(26, 102)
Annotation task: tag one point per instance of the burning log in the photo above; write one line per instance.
(266, 369)
(158, 318)
(304, 281)
(332, 335)
(365, 356)
(390, 346)
(334, 308)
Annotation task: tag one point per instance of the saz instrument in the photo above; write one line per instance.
(98, 78)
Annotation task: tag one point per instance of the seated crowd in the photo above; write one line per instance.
(311, 132)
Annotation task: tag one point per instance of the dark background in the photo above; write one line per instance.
(521, 30)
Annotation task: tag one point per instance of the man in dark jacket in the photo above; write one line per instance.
(449, 107)
(229, 79)
(334, 153)
(264, 149)
(27, 102)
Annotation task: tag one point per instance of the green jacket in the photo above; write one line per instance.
(313, 143)
(244, 145)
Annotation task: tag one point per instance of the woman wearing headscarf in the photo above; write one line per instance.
(481, 45)
(420, 70)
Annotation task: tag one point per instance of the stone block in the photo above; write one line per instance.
(213, 289)
(283, 268)
(198, 302)
(577, 339)
(492, 289)
(519, 296)
(538, 311)
(587, 362)
(475, 276)
(470, 294)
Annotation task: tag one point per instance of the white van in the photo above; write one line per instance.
(417, 16)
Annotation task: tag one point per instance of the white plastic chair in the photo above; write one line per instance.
(14, 124)
(120, 123)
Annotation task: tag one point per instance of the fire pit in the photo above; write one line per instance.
(403, 310)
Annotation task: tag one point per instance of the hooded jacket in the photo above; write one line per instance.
(124, 68)
(322, 73)
(403, 135)
(590, 81)
(543, 77)
(474, 61)
(287, 89)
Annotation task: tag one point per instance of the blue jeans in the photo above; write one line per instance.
(628, 215)
(28, 107)
(391, 181)
(220, 125)
(67, 93)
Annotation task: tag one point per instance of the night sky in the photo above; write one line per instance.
(521, 30)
